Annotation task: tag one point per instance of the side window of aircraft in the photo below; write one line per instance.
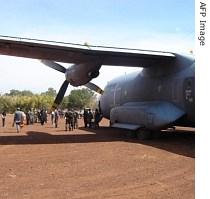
(188, 90)
(150, 118)
(112, 87)
(109, 88)
(175, 90)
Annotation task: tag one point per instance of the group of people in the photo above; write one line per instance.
(31, 117)
(91, 119)
(19, 117)
(36, 116)
(71, 120)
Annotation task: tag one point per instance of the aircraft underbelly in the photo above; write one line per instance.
(150, 115)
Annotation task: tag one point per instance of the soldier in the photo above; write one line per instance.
(52, 117)
(56, 118)
(89, 118)
(71, 113)
(97, 117)
(85, 116)
(75, 120)
(42, 117)
(31, 116)
(68, 120)
(3, 117)
(27, 118)
(45, 116)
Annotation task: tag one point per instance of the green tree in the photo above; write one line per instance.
(50, 92)
(6, 103)
(14, 92)
(81, 98)
(26, 100)
(26, 93)
(10, 103)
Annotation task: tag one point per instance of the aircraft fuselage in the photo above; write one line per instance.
(174, 83)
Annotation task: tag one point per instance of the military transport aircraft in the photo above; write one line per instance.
(159, 96)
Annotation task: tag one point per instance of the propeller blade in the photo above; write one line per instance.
(54, 65)
(60, 94)
(94, 87)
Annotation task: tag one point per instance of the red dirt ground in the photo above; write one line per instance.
(43, 162)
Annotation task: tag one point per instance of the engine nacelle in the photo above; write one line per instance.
(80, 74)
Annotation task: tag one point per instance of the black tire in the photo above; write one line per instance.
(131, 134)
(143, 134)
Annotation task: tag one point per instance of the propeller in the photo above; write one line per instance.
(60, 94)
(94, 87)
(65, 84)
(54, 65)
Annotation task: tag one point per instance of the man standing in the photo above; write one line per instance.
(75, 114)
(52, 117)
(68, 118)
(18, 118)
(42, 117)
(56, 118)
(89, 118)
(85, 115)
(3, 116)
(97, 118)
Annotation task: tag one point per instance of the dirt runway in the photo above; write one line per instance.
(43, 162)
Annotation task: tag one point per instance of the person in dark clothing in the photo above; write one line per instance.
(69, 120)
(45, 116)
(27, 118)
(42, 117)
(89, 118)
(76, 115)
(97, 118)
(85, 116)
(3, 117)
(71, 114)
(56, 118)
(52, 117)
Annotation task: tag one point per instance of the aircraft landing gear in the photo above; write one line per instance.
(143, 134)
(156, 134)
(131, 134)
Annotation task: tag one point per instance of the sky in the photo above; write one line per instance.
(166, 25)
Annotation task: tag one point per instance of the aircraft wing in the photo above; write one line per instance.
(63, 52)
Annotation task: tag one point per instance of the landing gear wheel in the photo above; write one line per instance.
(143, 134)
(156, 134)
(131, 134)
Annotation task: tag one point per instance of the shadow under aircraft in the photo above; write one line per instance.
(179, 142)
